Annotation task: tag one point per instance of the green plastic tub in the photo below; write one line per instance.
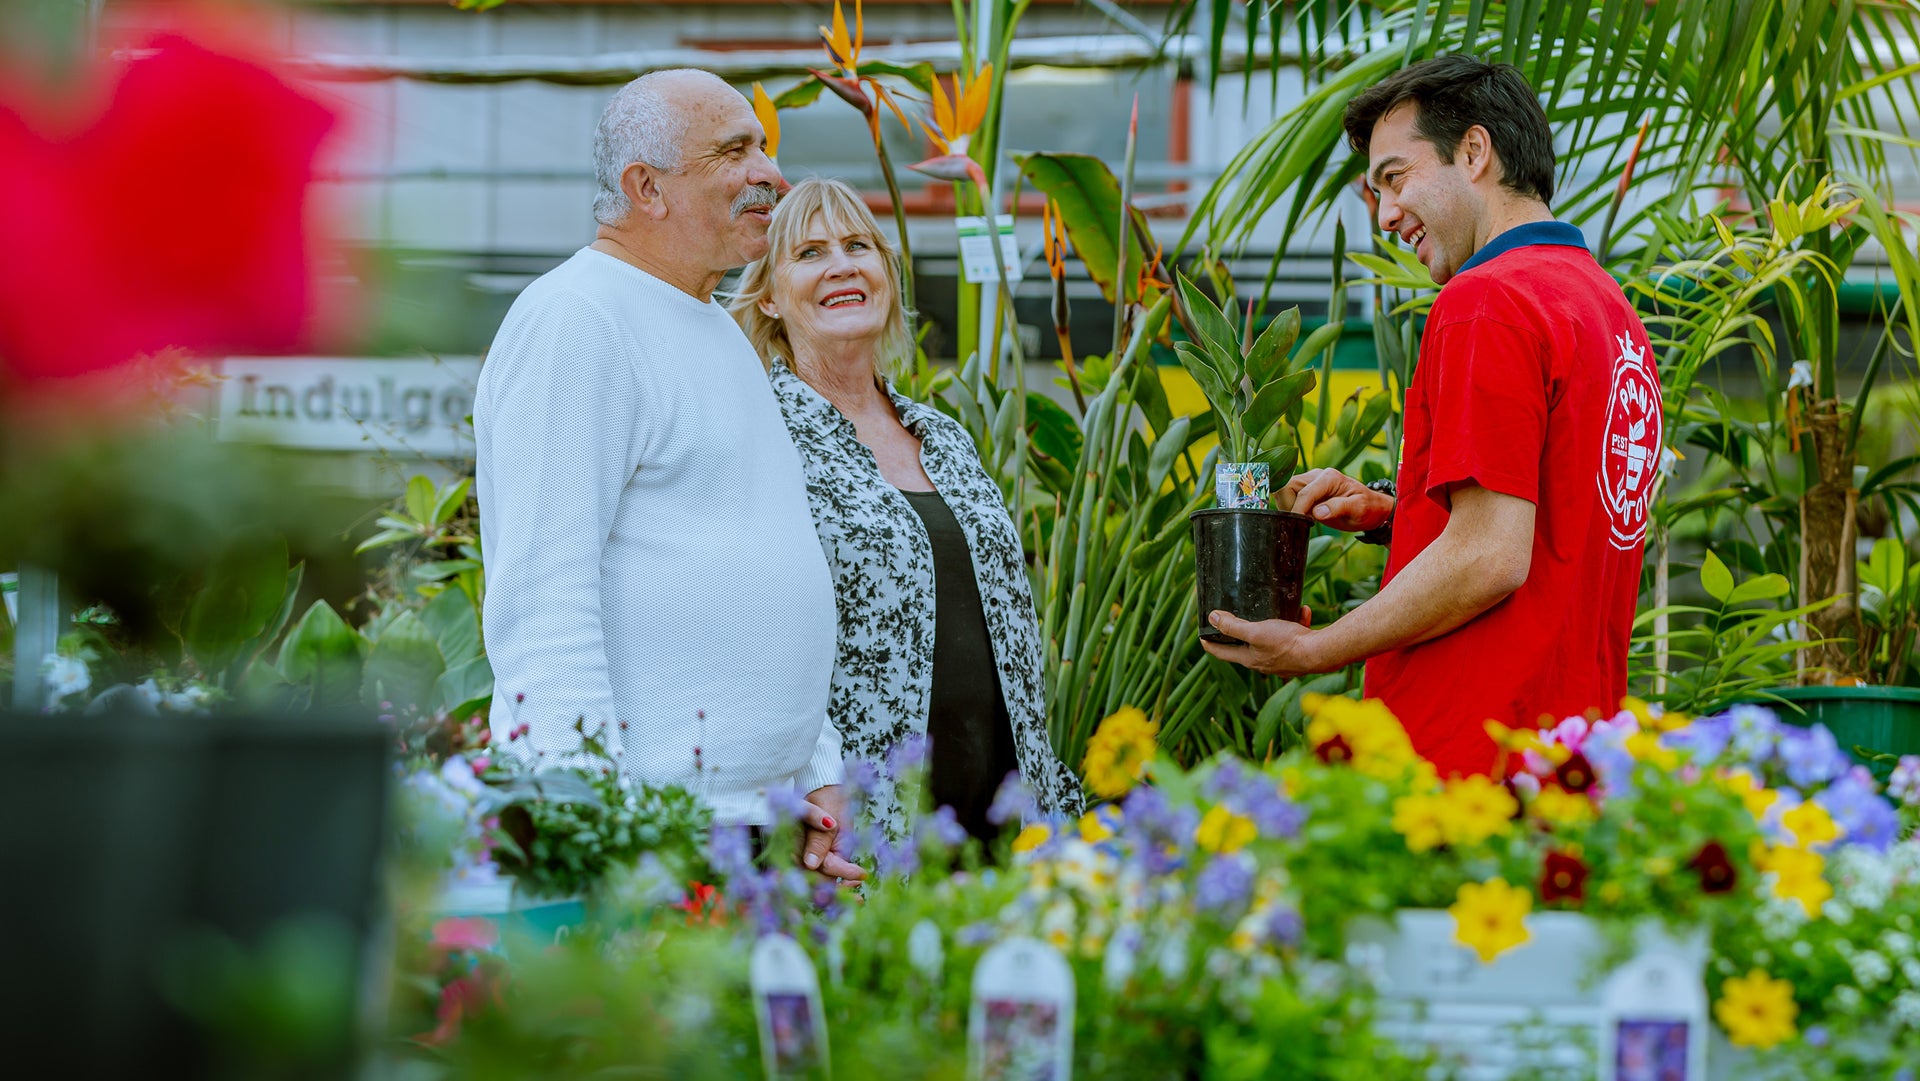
(1876, 720)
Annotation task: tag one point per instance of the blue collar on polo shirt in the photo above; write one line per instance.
(1558, 233)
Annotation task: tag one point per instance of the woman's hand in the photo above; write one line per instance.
(826, 808)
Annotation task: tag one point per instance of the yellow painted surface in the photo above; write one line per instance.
(1184, 396)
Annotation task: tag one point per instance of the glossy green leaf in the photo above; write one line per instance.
(1715, 578)
(1088, 196)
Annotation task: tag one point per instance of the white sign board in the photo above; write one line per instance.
(976, 253)
(404, 406)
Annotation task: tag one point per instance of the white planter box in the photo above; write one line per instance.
(1541, 1009)
(546, 920)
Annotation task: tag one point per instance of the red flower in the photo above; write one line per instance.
(1334, 751)
(455, 933)
(1563, 878)
(176, 218)
(1716, 871)
(701, 904)
(1575, 774)
(459, 998)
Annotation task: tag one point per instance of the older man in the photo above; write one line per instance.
(1532, 429)
(652, 567)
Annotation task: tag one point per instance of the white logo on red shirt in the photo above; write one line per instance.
(1632, 444)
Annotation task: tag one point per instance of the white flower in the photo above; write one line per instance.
(1840, 912)
(65, 676)
(1669, 460)
(151, 693)
(1801, 375)
(1897, 943)
(924, 950)
(1172, 958)
(1780, 918)
(1057, 924)
(1116, 968)
(189, 699)
(1802, 949)
(1862, 877)
(457, 773)
(1870, 969)
(1847, 997)
(1906, 1008)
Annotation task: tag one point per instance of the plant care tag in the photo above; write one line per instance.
(976, 258)
(786, 1002)
(1240, 484)
(1021, 1025)
(1653, 1021)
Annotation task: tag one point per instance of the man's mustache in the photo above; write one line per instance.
(755, 197)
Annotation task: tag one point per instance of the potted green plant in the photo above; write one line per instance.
(1250, 554)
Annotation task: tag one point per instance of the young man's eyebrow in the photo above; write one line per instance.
(1385, 164)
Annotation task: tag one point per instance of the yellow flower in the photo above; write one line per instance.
(1645, 747)
(1474, 809)
(1032, 837)
(1092, 829)
(1421, 820)
(1811, 824)
(1755, 795)
(1651, 721)
(1118, 753)
(1798, 876)
(1223, 831)
(769, 118)
(1375, 742)
(1757, 1010)
(1558, 807)
(1490, 917)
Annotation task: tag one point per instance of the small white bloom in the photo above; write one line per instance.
(1910, 970)
(1870, 968)
(151, 693)
(1840, 912)
(1897, 943)
(1116, 968)
(1802, 949)
(1847, 997)
(924, 949)
(65, 676)
(1906, 1008)
(1669, 461)
(1801, 375)
(1172, 957)
(190, 699)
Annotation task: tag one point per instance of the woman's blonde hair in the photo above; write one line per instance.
(844, 213)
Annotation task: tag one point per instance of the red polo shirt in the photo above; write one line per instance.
(1535, 379)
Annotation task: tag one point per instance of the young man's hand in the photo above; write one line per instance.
(1274, 646)
(1330, 497)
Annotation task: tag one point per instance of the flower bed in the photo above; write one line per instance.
(1292, 918)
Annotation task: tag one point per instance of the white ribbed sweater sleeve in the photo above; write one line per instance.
(567, 416)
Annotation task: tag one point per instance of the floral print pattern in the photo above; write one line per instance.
(882, 563)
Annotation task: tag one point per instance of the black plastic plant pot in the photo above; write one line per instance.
(1249, 562)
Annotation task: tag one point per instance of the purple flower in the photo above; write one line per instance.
(1224, 886)
(1857, 807)
(1705, 739)
(1754, 733)
(1816, 1036)
(974, 934)
(1811, 755)
(1904, 783)
(942, 827)
(1605, 748)
(891, 858)
(910, 753)
(861, 776)
(731, 851)
(1226, 781)
(1013, 802)
(788, 805)
(1285, 927)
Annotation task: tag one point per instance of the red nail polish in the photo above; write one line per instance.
(827, 821)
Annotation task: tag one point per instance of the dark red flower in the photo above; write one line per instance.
(1563, 878)
(1334, 751)
(175, 218)
(1716, 871)
(1575, 774)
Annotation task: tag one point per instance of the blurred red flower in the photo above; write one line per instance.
(175, 218)
(1563, 877)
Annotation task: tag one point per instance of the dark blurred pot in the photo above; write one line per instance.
(126, 836)
(1250, 562)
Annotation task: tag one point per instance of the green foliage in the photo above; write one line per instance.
(1730, 650)
(1088, 196)
(1255, 392)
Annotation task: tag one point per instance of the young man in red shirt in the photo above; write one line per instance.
(1532, 437)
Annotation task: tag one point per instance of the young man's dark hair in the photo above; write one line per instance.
(1453, 93)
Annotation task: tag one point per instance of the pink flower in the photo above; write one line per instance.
(466, 933)
(480, 765)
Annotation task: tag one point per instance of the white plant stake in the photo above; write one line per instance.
(1021, 1026)
(786, 1002)
(1653, 1021)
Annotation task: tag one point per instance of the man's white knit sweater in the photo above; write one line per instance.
(650, 557)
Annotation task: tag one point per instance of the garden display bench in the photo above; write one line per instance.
(1543, 1008)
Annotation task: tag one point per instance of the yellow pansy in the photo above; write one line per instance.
(1645, 747)
(1377, 744)
(1490, 917)
(1032, 837)
(1757, 1010)
(1092, 829)
(1118, 753)
(1223, 831)
(1799, 875)
(1420, 819)
(1558, 807)
(1755, 795)
(1474, 809)
(1811, 824)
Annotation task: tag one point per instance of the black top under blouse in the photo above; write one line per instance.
(967, 719)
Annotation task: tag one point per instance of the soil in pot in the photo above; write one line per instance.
(1249, 562)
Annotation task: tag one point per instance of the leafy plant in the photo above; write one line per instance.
(1736, 649)
(1256, 394)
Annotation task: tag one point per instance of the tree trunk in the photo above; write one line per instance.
(1827, 565)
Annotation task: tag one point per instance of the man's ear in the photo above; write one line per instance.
(1476, 152)
(641, 183)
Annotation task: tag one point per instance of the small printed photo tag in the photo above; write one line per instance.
(1653, 1021)
(976, 256)
(786, 1002)
(1021, 1024)
(1240, 484)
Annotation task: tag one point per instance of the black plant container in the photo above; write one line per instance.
(129, 837)
(1249, 562)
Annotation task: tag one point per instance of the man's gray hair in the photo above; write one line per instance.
(640, 124)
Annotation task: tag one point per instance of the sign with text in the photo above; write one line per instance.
(403, 406)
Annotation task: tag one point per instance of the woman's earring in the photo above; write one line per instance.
(776, 315)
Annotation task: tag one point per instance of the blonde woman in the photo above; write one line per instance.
(937, 633)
